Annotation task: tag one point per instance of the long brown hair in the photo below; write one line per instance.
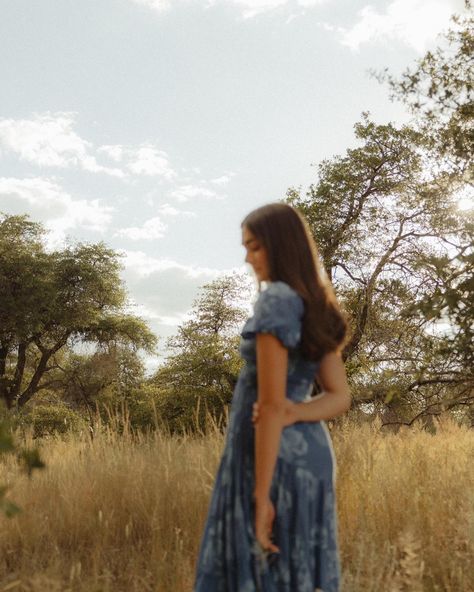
(294, 258)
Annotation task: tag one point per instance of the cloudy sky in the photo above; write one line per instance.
(156, 125)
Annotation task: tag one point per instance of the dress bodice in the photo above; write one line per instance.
(279, 310)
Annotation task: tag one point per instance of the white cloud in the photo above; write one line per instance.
(223, 180)
(148, 160)
(140, 310)
(154, 227)
(310, 3)
(167, 210)
(144, 311)
(142, 160)
(114, 151)
(144, 265)
(48, 140)
(164, 290)
(187, 192)
(157, 5)
(164, 287)
(249, 8)
(46, 200)
(413, 22)
(151, 229)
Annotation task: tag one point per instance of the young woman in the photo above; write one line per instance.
(272, 523)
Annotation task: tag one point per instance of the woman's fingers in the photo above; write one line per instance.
(255, 413)
(266, 542)
(267, 545)
(265, 515)
(289, 418)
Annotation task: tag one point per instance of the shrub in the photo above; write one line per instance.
(51, 418)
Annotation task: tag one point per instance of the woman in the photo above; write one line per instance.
(271, 524)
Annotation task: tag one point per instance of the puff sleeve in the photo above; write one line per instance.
(279, 311)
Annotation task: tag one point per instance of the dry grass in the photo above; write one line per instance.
(124, 513)
(406, 508)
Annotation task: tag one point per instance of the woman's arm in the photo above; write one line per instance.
(272, 367)
(335, 398)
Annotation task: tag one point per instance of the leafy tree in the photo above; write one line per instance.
(377, 213)
(205, 362)
(439, 91)
(108, 376)
(50, 300)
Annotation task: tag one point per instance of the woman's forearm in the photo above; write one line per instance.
(267, 443)
(326, 405)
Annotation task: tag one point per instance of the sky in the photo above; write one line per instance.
(157, 125)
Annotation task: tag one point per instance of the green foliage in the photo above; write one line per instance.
(188, 411)
(201, 373)
(453, 299)
(29, 460)
(6, 438)
(106, 376)
(50, 300)
(359, 195)
(439, 90)
(379, 213)
(142, 406)
(48, 418)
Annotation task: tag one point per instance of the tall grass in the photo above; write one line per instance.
(126, 512)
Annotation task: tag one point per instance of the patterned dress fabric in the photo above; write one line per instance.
(303, 486)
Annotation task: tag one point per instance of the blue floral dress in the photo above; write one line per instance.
(303, 486)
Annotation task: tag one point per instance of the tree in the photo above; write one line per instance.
(109, 376)
(439, 92)
(50, 300)
(205, 361)
(377, 214)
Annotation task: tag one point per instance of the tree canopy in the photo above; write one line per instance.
(50, 299)
(383, 216)
(439, 91)
(205, 362)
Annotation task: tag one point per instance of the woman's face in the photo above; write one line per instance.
(256, 255)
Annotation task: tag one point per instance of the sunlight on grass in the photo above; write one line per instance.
(126, 512)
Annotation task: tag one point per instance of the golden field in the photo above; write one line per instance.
(126, 512)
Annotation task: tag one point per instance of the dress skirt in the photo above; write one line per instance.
(305, 525)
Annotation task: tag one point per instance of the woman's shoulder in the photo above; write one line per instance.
(281, 288)
(278, 310)
(282, 292)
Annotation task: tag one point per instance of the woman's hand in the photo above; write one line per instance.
(289, 417)
(264, 517)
